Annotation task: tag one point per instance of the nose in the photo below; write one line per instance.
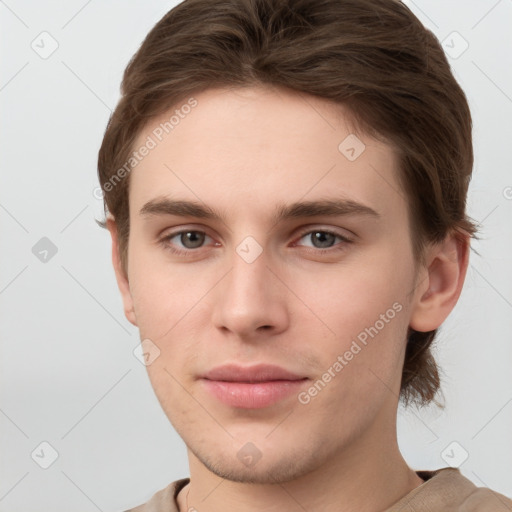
(251, 300)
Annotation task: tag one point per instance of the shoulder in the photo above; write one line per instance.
(447, 489)
(486, 500)
(163, 500)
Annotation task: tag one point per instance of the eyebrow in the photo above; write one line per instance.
(301, 209)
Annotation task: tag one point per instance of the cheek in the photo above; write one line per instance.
(171, 313)
(361, 365)
(164, 297)
(364, 313)
(174, 398)
(350, 298)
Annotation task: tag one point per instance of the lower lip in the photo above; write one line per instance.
(253, 396)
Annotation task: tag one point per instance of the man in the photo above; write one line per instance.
(285, 187)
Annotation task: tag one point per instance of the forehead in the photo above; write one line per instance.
(247, 148)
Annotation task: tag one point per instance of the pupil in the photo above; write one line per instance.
(192, 239)
(322, 239)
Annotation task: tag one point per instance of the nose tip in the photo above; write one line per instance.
(250, 299)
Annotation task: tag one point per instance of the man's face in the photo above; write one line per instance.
(325, 296)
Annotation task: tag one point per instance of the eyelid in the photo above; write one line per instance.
(177, 230)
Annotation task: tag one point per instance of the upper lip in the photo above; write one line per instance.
(256, 373)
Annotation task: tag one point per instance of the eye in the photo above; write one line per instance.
(185, 240)
(191, 239)
(323, 239)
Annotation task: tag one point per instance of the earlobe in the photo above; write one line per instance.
(433, 302)
(121, 277)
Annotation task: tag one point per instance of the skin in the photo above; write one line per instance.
(243, 152)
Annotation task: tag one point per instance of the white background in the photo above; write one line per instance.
(68, 373)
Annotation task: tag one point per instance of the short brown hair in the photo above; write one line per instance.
(373, 56)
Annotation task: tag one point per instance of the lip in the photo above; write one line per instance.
(255, 373)
(252, 387)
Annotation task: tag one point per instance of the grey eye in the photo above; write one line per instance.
(192, 239)
(321, 239)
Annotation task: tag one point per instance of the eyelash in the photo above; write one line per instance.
(190, 252)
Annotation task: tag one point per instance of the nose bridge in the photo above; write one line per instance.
(248, 282)
(248, 260)
(249, 298)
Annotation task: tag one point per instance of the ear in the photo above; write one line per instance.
(121, 277)
(440, 286)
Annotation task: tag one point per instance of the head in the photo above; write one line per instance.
(251, 109)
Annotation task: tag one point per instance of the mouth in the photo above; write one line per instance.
(252, 387)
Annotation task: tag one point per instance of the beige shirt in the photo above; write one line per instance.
(444, 490)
